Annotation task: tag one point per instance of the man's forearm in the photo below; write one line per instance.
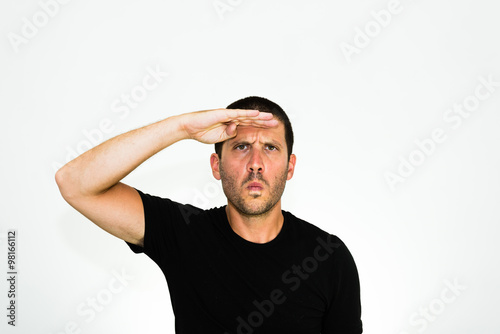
(100, 168)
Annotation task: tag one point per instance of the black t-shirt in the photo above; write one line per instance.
(303, 281)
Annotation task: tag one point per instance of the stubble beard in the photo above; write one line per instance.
(233, 192)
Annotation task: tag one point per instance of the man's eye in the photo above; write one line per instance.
(272, 148)
(241, 147)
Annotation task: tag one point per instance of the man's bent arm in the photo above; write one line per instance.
(91, 182)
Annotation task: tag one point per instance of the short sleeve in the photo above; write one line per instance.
(166, 226)
(344, 313)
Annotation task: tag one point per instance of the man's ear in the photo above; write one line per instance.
(214, 162)
(291, 166)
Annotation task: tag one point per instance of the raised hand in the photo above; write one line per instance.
(216, 125)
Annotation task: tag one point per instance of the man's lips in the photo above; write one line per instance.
(255, 186)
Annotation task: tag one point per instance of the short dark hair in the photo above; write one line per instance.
(264, 105)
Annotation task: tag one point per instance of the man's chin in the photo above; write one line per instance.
(254, 208)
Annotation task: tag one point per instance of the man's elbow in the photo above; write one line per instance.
(63, 182)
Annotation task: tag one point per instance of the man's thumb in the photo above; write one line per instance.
(231, 130)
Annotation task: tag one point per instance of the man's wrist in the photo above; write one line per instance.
(174, 129)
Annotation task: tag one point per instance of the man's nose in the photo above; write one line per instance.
(256, 164)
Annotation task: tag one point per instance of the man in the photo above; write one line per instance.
(246, 267)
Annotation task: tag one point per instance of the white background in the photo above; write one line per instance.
(356, 117)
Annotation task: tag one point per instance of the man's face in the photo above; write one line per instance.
(254, 168)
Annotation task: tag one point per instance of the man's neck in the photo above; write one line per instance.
(258, 229)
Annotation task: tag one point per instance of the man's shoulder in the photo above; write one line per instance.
(307, 236)
(306, 228)
(189, 212)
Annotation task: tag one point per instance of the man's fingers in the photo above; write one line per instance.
(246, 114)
(258, 123)
(231, 127)
(249, 117)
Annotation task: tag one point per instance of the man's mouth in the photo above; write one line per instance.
(255, 186)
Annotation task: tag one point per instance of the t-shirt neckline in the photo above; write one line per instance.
(236, 237)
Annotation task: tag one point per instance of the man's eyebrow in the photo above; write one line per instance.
(247, 142)
(274, 143)
(235, 140)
